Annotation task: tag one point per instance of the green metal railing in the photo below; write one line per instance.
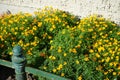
(18, 63)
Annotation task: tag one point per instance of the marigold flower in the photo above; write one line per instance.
(44, 67)
(53, 57)
(58, 68)
(90, 30)
(91, 50)
(80, 77)
(105, 73)
(65, 54)
(86, 59)
(107, 59)
(114, 73)
(101, 49)
(59, 50)
(97, 55)
(106, 79)
(39, 24)
(54, 70)
(11, 53)
(51, 29)
(60, 65)
(62, 74)
(77, 62)
(74, 50)
(111, 64)
(65, 63)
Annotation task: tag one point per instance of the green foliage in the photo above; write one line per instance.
(58, 42)
(87, 51)
(33, 33)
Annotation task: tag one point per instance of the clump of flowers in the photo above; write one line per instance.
(32, 32)
(89, 51)
(80, 50)
(104, 39)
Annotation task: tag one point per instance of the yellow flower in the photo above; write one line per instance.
(39, 24)
(49, 37)
(80, 77)
(51, 47)
(106, 79)
(77, 62)
(29, 52)
(115, 64)
(90, 30)
(62, 74)
(10, 21)
(103, 60)
(53, 26)
(51, 41)
(108, 59)
(44, 67)
(91, 50)
(86, 59)
(118, 33)
(63, 32)
(51, 29)
(101, 49)
(96, 45)
(60, 66)
(105, 54)
(111, 64)
(34, 28)
(114, 73)
(0, 37)
(94, 36)
(34, 43)
(44, 35)
(54, 70)
(65, 63)
(59, 50)
(110, 70)
(99, 67)
(78, 46)
(10, 53)
(117, 58)
(74, 50)
(97, 55)
(65, 54)
(105, 73)
(52, 57)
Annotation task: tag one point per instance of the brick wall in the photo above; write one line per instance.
(107, 8)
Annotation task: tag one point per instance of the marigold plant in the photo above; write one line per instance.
(32, 32)
(89, 51)
(58, 42)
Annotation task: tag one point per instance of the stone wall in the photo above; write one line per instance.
(107, 8)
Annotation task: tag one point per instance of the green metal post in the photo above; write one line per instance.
(18, 62)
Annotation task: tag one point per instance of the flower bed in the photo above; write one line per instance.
(58, 42)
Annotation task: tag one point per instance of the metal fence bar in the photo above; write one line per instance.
(5, 63)
(44, 74)
(18, 63)
(34, 71)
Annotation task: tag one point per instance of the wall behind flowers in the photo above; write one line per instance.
(81, 8)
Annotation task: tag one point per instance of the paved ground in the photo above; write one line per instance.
(8, 74)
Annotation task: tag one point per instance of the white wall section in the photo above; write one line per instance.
(107, 8)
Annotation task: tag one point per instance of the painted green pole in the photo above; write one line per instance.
(18, 63)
